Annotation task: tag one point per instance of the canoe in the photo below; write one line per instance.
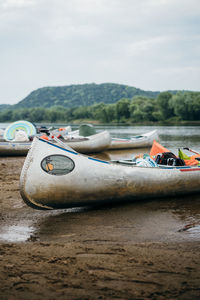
(85, 139)
(14, 140)
(139, 141)
(92, 144)
(14, 148)
(54, 177)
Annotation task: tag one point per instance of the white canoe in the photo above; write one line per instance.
(92, 144)
(139, 141)
(53, 177)
(14, 148)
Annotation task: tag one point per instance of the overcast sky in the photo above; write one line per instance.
(148, 44)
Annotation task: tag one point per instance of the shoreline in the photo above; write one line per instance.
(67, 260)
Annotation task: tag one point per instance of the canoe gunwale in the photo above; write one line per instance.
(118, 162)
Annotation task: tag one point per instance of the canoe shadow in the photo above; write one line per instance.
(117, 220)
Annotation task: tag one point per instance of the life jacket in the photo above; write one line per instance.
(44, 137)
(157, 148)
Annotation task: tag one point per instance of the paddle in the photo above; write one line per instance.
(63, 145)
(186, 148)
(58, 141)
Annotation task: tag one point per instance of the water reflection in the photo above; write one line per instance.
(142, 221)
(16, 233)
(194, 232)
(29, 220)
(138, 221)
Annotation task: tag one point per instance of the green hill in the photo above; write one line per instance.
(4, 106)
(81, 95)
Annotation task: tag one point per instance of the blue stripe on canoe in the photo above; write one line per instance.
(95, 159)
(101, 161)
(58, 146)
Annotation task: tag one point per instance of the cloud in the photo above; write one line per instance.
(137, 48)
(56, 42)
(7, 4)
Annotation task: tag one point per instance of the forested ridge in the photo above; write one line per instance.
(166, 107)
(81, 95)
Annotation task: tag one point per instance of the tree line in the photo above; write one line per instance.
(166, 107)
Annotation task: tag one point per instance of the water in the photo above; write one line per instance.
(16, 233)
(168, 220)
(172, 137)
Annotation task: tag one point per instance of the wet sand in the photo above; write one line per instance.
(131, 251)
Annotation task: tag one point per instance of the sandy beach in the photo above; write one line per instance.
(100, 253)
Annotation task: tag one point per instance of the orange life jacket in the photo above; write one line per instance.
(192, 161)
(157, 148)
(44, 137)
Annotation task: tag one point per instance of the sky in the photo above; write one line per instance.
(149, 44)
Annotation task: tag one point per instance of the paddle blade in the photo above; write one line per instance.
(189, 160)
(182, 155)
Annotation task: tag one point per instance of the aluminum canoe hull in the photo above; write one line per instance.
(144, 140)
(93, 144)
(14, 148)
(92, 181)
